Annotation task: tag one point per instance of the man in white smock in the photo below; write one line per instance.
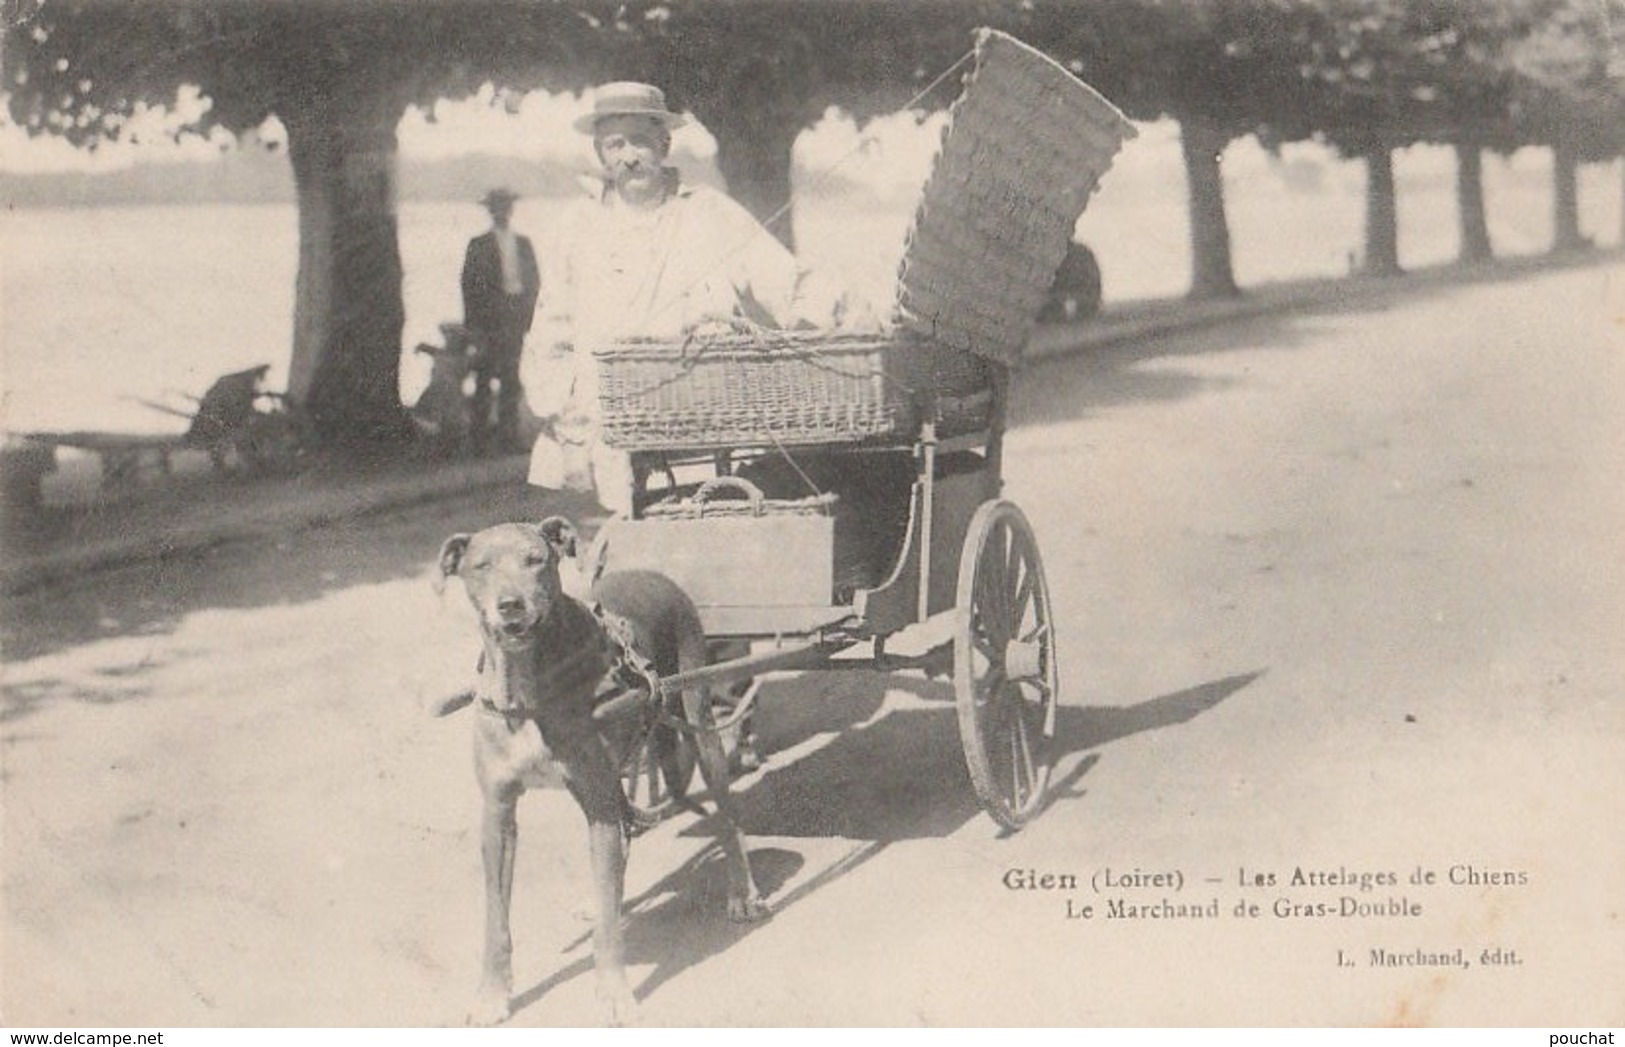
(644, 256)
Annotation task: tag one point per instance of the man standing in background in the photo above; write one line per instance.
(500, 286)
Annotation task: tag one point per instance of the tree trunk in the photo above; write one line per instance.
(1381, 216)
(1211, 272)
(348, 311)
(1566, 201)
(754, 154)
(1475, 231)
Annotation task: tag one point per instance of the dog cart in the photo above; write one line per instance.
(816, 494)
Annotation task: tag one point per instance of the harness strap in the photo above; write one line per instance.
(631, 670)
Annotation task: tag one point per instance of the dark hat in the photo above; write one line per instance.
(627, 98)
(499, 195)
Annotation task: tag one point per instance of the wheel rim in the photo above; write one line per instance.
(658, 753)
(1005, 672)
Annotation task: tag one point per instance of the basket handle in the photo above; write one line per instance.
(752, 493)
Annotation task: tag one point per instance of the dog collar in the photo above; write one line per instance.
(517, 712)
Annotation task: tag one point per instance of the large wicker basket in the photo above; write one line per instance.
(1025, 146)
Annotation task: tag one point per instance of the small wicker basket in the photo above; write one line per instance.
(704, 503)
(1025, 146)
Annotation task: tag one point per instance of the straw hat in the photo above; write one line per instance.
(627, 98)
(498, 196)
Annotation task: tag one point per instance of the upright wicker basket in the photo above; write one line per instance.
(1025, 145)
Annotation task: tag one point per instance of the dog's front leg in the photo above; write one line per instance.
(499, 838)
(607, 841)
(605, 807)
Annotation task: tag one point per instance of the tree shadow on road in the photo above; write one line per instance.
(153, 600)
(1073, 385)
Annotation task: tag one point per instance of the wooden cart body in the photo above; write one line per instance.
(774, 582)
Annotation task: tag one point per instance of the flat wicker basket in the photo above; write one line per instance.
(741, 389)
(1025, 147)
(788, 387)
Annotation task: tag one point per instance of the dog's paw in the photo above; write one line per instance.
(616, 1002)
(747, 908)
(747, 757)
(491, 1007)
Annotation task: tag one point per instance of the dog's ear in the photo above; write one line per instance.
(560, 535)
(451, 555)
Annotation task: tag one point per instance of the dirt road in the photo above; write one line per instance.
(1342, 607)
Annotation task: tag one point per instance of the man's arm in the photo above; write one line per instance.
(471, 284)
(548, 360)
(530, 279)
(766, 273)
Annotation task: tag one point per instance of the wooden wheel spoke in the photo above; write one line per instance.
(1023, 598)
(997, 580)
(990, 626)
(990, 688)
(1039, 684)
(989, 612)
(1023, 768)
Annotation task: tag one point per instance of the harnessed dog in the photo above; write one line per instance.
(544, 662)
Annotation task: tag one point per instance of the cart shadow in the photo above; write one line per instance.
(681, 920)
(895, 771)
(1086, 730)
(1090, 727)
(891, 771)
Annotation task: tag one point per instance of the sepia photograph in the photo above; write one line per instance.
(812, 514)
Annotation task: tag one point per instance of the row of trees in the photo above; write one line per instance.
(1368, 76)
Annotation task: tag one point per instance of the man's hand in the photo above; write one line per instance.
(857, 314)
(716, 326)
(547, 377)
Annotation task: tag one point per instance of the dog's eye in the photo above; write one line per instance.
(537, 560)
(480, 565)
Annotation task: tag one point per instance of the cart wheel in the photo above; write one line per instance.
(1005, 677)
(656, 772)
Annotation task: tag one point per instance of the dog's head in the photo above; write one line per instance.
(511, 574)
(449, 366)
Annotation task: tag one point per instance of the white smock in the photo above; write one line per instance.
(617, 272)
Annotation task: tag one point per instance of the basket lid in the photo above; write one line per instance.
(1025, 146)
